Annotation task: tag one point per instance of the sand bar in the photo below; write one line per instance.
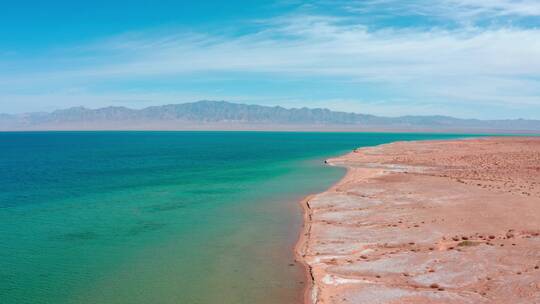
(428, 222)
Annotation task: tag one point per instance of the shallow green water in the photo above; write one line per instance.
(160, 217)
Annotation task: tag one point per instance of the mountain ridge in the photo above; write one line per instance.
(206, 114)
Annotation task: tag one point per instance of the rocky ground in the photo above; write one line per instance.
(428, 222)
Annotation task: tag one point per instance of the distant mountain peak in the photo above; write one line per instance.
(210, 114)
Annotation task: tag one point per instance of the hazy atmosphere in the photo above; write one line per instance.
(381, 57)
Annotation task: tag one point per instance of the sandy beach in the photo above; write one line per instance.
(454, 221)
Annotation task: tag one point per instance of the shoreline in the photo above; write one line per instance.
(300, 248)
(301, 245)
(344, 246)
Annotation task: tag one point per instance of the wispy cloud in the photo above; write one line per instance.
(498, 7)
(462, 10)
(469, 64)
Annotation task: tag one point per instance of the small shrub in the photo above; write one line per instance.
(467, 243)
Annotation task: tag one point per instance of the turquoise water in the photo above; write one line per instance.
(160, 217)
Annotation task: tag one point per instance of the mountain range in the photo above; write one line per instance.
(222, 115)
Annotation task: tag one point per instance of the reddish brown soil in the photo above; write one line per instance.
(428, 222)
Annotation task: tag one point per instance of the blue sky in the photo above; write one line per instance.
(465, 58)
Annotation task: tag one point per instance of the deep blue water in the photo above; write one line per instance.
(160, 217)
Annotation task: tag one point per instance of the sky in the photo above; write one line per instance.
(463, 58)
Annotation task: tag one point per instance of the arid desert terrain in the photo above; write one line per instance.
(428, 222)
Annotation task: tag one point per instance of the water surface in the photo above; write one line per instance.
(160, 217)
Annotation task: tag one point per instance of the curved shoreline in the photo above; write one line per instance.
(409, 222)
(310, 291)
(299, 248)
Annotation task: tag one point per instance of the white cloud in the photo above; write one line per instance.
(499, 7)
(472, 64)
(463, 10)
(307, 44)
